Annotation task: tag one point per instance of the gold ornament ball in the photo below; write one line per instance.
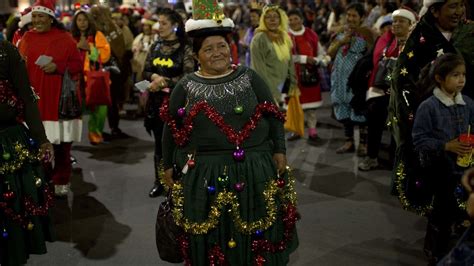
(30, 226)
(232, 243)
(38, 182)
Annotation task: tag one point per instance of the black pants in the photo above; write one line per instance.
(444, 216)
(157, 134)
(349, 131)
(116, 90)
(376, 122)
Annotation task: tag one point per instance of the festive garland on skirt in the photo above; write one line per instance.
(181, 136)
(22, 154)
(406, 204)
(31, 209)
(224, 198)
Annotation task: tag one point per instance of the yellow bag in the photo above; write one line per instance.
(295, 116)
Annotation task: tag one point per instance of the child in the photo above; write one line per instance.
(439, 122)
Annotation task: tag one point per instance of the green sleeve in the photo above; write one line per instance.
(259, 52)
(277, 132)
(177, 100)
(21, 83)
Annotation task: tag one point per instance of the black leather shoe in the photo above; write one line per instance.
(156, 191)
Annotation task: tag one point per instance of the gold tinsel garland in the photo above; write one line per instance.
(21, 155)
(224, 198)
(401, 175)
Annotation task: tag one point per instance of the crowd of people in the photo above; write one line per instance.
(212, 88)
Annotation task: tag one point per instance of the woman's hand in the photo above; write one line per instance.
(47, 152)
(158, 82)
(280, 161)
(457, 147)
(49, 68)
(168, 178)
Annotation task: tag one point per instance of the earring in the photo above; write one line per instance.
(175, 29)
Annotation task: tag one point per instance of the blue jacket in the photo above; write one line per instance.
(438, 120)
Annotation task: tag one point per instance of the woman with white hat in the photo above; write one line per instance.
(442, 29)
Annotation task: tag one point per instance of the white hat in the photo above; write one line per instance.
(405, 13)
(427, 4)
(25, 17)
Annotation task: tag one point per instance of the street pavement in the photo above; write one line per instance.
(348, 216)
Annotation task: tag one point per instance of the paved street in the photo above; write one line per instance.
(348, 216)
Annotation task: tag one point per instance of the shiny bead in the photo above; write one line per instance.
(239, 155)
(4, 233)
(239, 109)
(32, 142)
(30, 226)
(239, 187)
(459, 192)
(191, 163)
(223, 180)
(6, 156)
(418, 184)
(259, 233)
(38, 182)
(181, 112)
(280, 182)
(9, 195)
(211, 189)
(422, 40)
(231, 243)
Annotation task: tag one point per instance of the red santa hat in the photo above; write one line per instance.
(25, 17)
(44, 6)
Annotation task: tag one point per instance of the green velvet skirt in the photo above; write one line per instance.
(231, 224)
(25, 198)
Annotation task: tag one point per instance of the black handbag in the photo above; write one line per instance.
(309, 76)
(166, 232)
(386, 65)
(69, 102)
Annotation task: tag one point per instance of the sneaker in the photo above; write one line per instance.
(346, 148)
(368, 164)
(315, 140)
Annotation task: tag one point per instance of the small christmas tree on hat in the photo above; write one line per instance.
(208, 19)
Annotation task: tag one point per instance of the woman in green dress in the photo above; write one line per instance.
(224, 137)
(25, 196)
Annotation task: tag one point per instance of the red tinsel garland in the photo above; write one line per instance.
(260, 246)
(31, 209)
(184, 246)
(9, 97)
(181, 136)
(216, 256)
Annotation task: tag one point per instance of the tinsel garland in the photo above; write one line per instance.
(9, 97)
(406, 204)
(181, 136)
(21, 155)
(216, 256)
(31, 208)
(223, 199)
(260, 246)
(184, 246)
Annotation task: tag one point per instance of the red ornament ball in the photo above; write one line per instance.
(9, 195)
(280, 182)
(191, 163)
